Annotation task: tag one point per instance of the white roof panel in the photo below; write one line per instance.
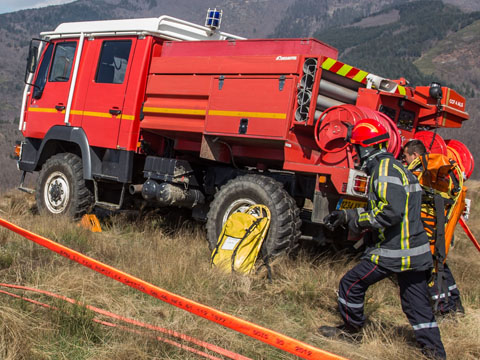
(164, 26)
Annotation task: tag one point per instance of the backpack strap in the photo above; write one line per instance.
(440, 251)
(249, 230)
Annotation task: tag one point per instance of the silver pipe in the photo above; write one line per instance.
(304, 97)
(310, 66)
(337, 92)
(135, 188)
(317, 115)
(324, 102)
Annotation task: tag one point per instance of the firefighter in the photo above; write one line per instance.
(447, 299)
(395, 240)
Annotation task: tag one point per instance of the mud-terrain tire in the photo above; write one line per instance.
(238, 194)
(61, 188)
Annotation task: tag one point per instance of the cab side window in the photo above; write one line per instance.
(113, 61)
(62, 61)
(41, 79)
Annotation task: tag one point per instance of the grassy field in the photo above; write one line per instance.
(172, 253)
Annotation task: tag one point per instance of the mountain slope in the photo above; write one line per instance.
(252, 18)
(455, 59)
(389, 50)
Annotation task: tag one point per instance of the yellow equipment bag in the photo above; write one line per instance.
(241, 240)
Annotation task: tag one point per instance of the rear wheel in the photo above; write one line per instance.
(240, 193)
(61, 188)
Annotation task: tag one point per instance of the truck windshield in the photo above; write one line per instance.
(42, 73)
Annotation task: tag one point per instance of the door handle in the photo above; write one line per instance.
(115, 111)
(60, 107)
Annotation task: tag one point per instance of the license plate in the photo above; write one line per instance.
(344, 204)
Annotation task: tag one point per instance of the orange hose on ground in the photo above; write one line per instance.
(106, 323)
(255, 331)
(206, 345)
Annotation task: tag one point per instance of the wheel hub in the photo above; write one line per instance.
(239, 205)
(57, 192)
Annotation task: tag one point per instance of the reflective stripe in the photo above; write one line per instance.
(374, 221)
(401, 90)
(328, 63)
(263, 115)
(83, 113)
(344, 70)
(425, 326)
(405, 230)
(419, 250)
(360, 76)
(159, 110)
(390, 179)
(350, 305)
(441, 296)
(413, 188)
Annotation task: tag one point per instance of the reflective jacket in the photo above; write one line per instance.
(398, 242)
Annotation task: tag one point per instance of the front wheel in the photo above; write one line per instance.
(61, 188)
(240, 193)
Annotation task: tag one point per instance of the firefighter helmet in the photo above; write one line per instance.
(368, 132)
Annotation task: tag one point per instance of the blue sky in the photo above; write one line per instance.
(15, 5)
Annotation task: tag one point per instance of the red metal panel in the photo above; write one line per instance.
(181, 85)
(250, 47)
(266, 103)
(176, 103)
(226, 65)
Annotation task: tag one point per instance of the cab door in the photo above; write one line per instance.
(104, 99)
(48, 98)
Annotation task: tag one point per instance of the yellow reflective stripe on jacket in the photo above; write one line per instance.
(405, 231)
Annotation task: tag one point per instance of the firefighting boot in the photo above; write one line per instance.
(341, 332)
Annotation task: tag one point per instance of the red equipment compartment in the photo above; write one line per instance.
(257, 47)
(177, 101)
(452, 105)
(250, 106)
(225, 65)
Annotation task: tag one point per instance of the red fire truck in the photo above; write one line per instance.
(169, 113)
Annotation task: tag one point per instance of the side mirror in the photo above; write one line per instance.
(31, 60)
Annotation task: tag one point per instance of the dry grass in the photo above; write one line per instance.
(173, 254)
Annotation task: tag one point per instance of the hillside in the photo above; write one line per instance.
(172, 253)
(9, 175)
(252, 18)
(458, 53)
(390, 49)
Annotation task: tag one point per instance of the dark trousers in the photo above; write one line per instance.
(414, 298)
(446, 303)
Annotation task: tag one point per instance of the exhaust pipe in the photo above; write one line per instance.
(167, 194)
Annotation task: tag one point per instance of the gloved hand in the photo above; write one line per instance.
(335, 219)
